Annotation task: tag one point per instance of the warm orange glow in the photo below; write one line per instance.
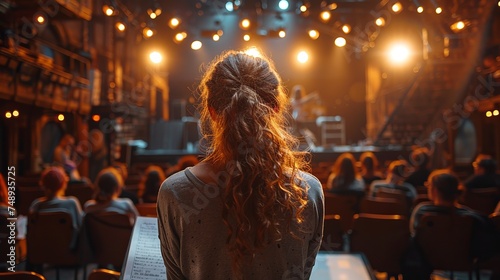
(302, 57)
(380, 21)
(397, 7)
(420, 9)
(60, 117)
(196, 45)
(325, 16)
(96, 118)
(346, 28)
(282, 34)
(174, 22)
(15, 113)
(245, 23)
(314, 34)
(439, 10)
(147, 32)
(120, 26)
(8, 115)
(340, 42)
(179, 37)
(40, 19)
(246, 37)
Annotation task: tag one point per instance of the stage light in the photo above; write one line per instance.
(246, 37)
(96, 118)
(253, 51)
(196, 45)
(439, 10)
(147, 32)
(283, 4)
(457, 26)
(495, 113)
(332, 6)
(15, 113)
(314, 34)
(174, 22)
(120, 26)
(179, 37)
(302, 57)
(229, 6)
(40, 19)
(397, 7)
(340, 42)
(60, 117)
(489, 114)
(303, 8)
(325, 16)
(216, 37)
(8, 115)
(399, 53)
(154, 13)
(346, 28)
(380, 21)
(420, 9)
(282, 33)
(245, 23)
(108, 10)
(155, 57)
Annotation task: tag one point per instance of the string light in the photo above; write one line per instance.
(340, 42)
(15, 113)
(314, 34)
(420, 9)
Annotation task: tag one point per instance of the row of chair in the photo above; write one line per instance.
(444, 240)
(96, 274)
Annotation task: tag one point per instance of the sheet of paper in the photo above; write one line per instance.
(144, 260)
(340, 267)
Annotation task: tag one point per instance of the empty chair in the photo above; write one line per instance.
(108, 235)
(104, 274)
(345, 205)
(384, 239)
(383, 206)
(483, 200)
(445, 241)
(332, 234)
(51, 239)
(147, 209)
(21, 275)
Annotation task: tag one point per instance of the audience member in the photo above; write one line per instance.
(485, 175)
(395, 180)
(150, 184)
(99, 154)
(369, 165)
(344, 178)
(108, 186)
(249, 184)
(420, 160)
(123, 171)
(64, 156)
(53, 182)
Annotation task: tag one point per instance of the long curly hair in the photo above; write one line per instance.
(243, 107)
(345, 171)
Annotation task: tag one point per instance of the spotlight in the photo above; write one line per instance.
(120, 26)
(346, 28)
(489, 114)
(439, 10)
(495, 113)
(457, 26)
(245, 23)
(179, 37)
(253, 51)
(302, 57)
(283, 4)
(154, 13)
(155, 57)
(380, 21)
(8, 115)
(96, 118)
(229, 6)
(60, 117)
(340, 42)
(314, 34)
(399, 53)
(303, 8)
(174, 22)
(332, 6)
(196, 45)
(397, 7)
(15, 113)
(246, 37)
(325, 16)
(420, 9)
(40, 19)
(216, 37)
(147, 32)
(282, 33)
(108, 10)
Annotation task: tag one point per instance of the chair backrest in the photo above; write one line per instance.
(419, 199)
(383, 239)
(21, 275)
(399, 195)
(345, 205)
(104, 274)
(483, 200)
(147, 209)
(332, 234)
(51, 239)
(383, 206)
(445, 240)
(81, 191)
(25, 196)
(108, 234)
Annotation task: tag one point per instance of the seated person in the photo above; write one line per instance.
(108, 186)
(369, 165)
(54, 181)
(395, 180)
(344, 178)
(123, 171)
(150, 184)
(420, 159)
(485, 175)
(64, 154)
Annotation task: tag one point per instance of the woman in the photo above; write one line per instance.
(150, 184)
(246, 210)
(109, 184)
(344, 177)
(369, 165)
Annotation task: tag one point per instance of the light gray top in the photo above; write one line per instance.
(66, 204)
(117, 205)
(193, 234)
